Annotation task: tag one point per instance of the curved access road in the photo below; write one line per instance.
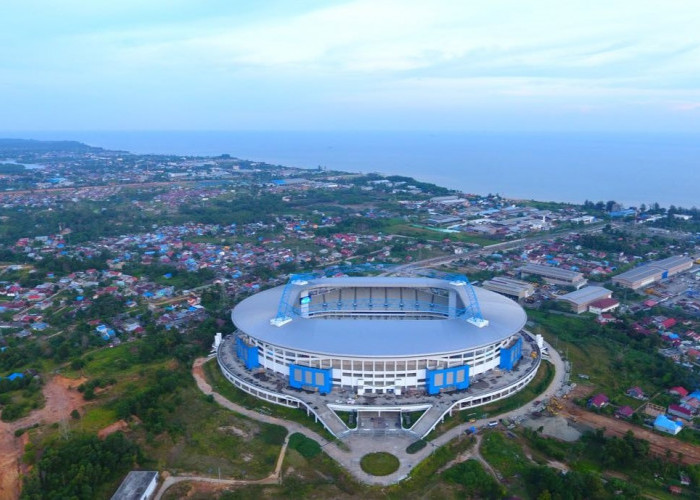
(361, 445)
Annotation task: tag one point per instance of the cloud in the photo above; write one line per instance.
(580, 56)
(686, 106)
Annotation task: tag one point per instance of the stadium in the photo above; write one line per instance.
(379, 342)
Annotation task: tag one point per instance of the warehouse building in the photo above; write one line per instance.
(653, 271)
(554, 275)
(581, 299)
(510, 286)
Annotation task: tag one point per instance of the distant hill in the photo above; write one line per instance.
(31, 145)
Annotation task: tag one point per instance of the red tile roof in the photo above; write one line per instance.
(679, 390)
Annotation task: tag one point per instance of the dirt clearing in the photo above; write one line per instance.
(61, 398)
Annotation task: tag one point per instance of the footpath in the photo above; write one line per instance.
(358, 444)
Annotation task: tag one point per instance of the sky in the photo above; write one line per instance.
(477, 65)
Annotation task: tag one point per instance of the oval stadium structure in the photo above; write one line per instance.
(377, 341)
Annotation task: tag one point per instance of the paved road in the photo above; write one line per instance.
(554, 386)
(489, 249)
(361, 444)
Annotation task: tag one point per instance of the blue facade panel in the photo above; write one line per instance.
(301, 377)
(449, 378)
(511, 355)
(247, 353)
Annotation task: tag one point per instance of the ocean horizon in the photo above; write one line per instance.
(631, 168)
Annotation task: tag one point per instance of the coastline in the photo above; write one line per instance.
(560, 167)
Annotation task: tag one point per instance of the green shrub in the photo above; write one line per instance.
(273, 434)
(307, 447)
(416, 446)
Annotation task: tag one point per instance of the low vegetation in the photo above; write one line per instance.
(475, 482)
(80, 467)
(416, 446)
(219, 383)
(307, 447)
(379, 464)
(20, 396)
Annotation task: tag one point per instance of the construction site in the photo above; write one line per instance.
(549, 414)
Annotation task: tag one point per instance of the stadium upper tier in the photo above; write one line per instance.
(378, 317)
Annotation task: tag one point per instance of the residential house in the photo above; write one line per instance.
(636, 393)
(665, 424)
(598, 401)
(625, 412)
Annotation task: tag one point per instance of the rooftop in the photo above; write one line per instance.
(379, 336)
(552, 272)
(586, 295)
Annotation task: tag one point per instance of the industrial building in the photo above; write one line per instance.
(509, 286)
(653, 271)
(581, 299)
(554, 275)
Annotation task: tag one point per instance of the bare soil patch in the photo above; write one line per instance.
(61, 398)
(119, 425)
(659, 445)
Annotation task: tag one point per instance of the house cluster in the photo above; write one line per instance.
(681, 341)
(679, 414)
(565, 256)
(91, 166)
(485, 216)
(44, 199)
(688, 405)
(670, 419)
(78, 292)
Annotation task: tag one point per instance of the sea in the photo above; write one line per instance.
(568, 167)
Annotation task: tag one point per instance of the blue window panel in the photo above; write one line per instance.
(456, 377)
(305, 377)
(511, 355)
(247, 353)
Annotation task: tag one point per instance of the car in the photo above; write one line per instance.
(493, 423)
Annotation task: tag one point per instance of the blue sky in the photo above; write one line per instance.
(492, 65)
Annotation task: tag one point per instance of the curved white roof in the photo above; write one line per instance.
(379, 337)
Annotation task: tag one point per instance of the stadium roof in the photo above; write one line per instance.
(379, 337)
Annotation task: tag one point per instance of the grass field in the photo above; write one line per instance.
(96, 418)
(613, 366)
(196, 435)
(508, 458)
(380, 463)
(212, 439)
(225, 388)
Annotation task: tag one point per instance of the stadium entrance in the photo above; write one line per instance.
(383, 421)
